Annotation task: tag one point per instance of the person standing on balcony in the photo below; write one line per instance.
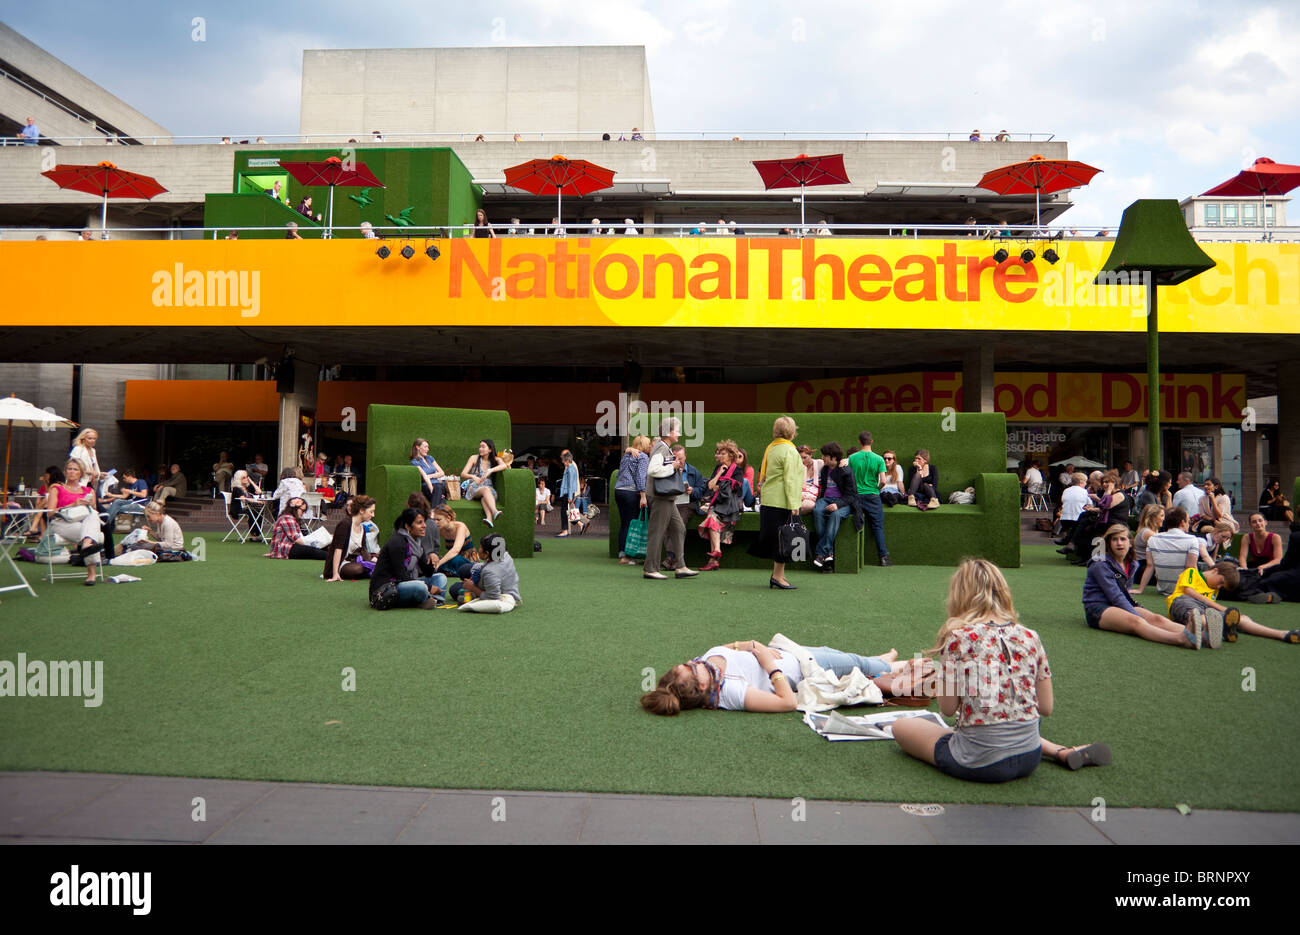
(31, 133)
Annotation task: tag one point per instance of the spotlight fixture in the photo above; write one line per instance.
(1027, 255)
(383, 252)
(407, 252)
(432, 251)
(1000, 256)
(1050, 255)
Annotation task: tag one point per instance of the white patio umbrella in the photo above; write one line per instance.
(15, 411)
(1080, 462)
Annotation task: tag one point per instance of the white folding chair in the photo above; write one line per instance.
(79, 571)
(1036, 499)
(235, 521)
(313, 520)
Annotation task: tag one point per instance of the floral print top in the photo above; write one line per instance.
(995, 670)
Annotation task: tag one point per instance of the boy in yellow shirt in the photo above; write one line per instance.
(1192, 603)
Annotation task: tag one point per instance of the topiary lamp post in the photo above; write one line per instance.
(1153, 248)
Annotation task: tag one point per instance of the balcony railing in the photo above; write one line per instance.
(366, 137)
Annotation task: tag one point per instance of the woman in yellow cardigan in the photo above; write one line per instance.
(780, 483)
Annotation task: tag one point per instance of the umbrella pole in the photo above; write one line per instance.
(103, 217)
(1038, 212)
(559, 216)
(1153, 378)
(9, 437)
(801, 211)
(329, 224)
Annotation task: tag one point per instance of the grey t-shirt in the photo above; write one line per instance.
(499, 577)
(983, 744)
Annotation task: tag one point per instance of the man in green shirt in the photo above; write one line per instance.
(867, 467)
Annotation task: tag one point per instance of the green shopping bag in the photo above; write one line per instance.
(637, 534)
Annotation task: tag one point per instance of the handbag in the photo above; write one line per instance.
(638, 533)
(793, 543)
(575, 515)
(75, 513)
(674, 485)
(385, 597)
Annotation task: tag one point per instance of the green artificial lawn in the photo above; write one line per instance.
(232, 668)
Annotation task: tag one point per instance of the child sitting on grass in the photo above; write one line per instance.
(1193, 604)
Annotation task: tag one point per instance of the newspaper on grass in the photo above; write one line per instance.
(123, 579)
(879, 726)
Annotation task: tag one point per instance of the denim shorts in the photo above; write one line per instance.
(1092, 613)
(1013, 767)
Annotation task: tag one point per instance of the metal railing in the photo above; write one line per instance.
(366, 138)
(1010, 233)
(584, 229)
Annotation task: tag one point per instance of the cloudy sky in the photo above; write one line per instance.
(1168, 97)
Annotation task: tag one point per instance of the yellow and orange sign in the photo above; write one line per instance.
(1023, 397)
(834, 282)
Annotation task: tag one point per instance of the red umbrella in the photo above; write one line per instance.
(332, 172)
(554, 175)
(107, 180)
(1264, 178)
(801, 171)
(1038, 175)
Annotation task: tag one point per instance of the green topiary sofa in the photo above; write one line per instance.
(969, 450)
(453, 435)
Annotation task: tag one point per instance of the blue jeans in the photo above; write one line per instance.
(415, 592)
(841, 663)
(458, 566)
(827, 525)
(870, 503)
(124, 506)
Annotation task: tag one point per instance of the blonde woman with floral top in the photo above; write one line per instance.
(994, 677)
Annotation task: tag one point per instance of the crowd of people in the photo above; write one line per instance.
(80, 504)
(655, 477)
(1182, 540)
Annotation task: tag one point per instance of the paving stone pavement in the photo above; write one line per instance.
(92, 808)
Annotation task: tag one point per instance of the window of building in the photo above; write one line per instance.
(1269, 212)
(1230, 215)
(1250, 215)
(1211, 215)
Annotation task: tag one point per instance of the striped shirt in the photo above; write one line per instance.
(1168, 553)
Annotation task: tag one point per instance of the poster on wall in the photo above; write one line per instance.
(1198, 456)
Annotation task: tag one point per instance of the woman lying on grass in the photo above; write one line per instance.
(750, 676)
(996, 680)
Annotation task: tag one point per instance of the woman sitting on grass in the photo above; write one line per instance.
(1260, 549)
(458, 542)
(997, 682)
(355, 538)
(1107, 604)
(1149, 523)
(750, 676)
(404, 574)
(287, 538)
(162, 531)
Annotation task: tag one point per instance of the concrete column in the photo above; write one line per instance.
(1137, 447)
(291, 406)
(1288, 423)
(977, 379)
(1252, 470)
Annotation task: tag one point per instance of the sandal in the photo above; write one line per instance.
(1094, 754)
